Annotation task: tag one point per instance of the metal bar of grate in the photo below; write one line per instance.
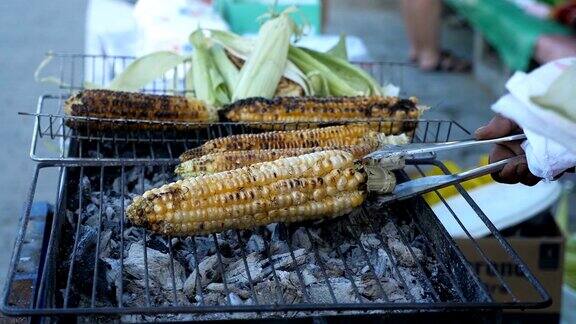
(100, 181)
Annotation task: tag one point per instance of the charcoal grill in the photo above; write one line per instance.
(423, 269)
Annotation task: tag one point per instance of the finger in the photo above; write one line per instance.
(524, 175)
(500, 152)
(513, 146)
(515, 172)
(507, 174)
(497, 127)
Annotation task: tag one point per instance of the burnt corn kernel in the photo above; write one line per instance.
(109, 109)
(306, 112)
(345, 135)
(230, 160)
(312, 186)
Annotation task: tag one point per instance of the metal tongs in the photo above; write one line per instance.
(423, 185)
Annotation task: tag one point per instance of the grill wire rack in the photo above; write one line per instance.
(53, 280)
(51, 138)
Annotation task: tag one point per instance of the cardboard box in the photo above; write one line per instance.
(540, 244)
(242, 15)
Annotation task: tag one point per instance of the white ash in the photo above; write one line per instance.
(286, 263)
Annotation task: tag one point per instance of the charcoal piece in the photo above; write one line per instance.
(85, 187)
(208, 272)
(342, 288)
(236, 272)
(389, 230)
(239, 290)
(402, 253)
(300, 239)
(235, 300)
(255, 244)
(158, 269)
(307, 277)
(369, 241)
(285, 261)
(334, 267)
(381, 262)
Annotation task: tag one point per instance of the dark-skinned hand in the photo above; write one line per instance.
(513, 172)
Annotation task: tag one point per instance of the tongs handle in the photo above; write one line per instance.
(422, 148)
(426, 184)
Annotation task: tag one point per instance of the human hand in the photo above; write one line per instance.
(513, 172)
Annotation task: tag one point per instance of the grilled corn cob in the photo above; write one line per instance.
(224, 161)
(351, 134)
(230, 160)
(108, 104)
(312, 186)
(390, 115)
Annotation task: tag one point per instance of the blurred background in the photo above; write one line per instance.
(534, 33)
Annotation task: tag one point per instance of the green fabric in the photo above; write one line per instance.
(507, 28)
(553, 2)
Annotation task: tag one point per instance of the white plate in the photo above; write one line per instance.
(505, 205)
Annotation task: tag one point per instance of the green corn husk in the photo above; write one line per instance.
(227, 69)
(265, 66)
(145, 70)
(209, 85)
(311, 66)
(353, 75)
(241, 48)
(339, 50)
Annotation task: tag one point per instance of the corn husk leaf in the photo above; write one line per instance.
(561, 96)
(353, 75)
(339, 50)
(146, 69)
(209, 85)
(318, 84)
(265, 66)
(570, 262)
(48, 79)
(310, 66)
(227, 69)
(241, 48)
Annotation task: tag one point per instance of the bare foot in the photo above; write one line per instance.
(428, 60)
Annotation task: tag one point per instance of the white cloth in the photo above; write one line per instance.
(551, 139)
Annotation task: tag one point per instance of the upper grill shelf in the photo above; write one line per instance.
(51, 140)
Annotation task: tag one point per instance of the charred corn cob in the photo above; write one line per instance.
(109, 105)
(224, 161)
(391, 115)
(351, 134)
(230, 160)
(312, 186)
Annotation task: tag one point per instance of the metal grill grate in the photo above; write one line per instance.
(94, 262)
(51, 138)
(73, 279)
(53, 141)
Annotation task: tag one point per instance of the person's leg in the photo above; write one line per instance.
(427, 14)
(411, 21)
(423, 24)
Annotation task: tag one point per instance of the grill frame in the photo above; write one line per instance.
(430, 131)
(258, 310)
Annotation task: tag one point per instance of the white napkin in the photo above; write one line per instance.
(551, 139)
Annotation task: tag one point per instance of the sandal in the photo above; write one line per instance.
(448, 62)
